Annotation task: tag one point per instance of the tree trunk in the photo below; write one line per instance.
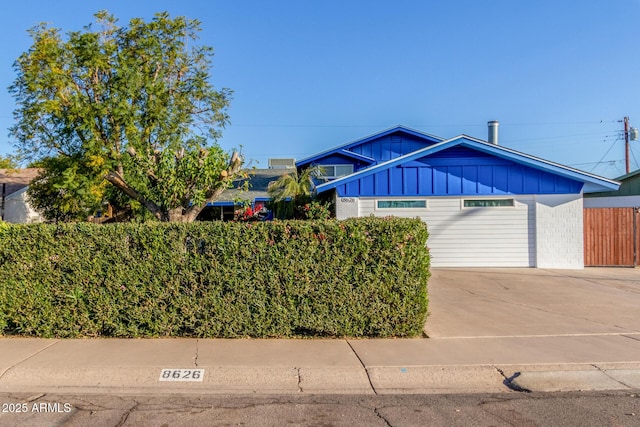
(175, 215)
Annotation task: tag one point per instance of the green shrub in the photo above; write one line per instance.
(359, 277)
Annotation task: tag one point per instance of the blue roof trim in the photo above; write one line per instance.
(593, 183)
(356, 156)
(347, 146)
(218, 203)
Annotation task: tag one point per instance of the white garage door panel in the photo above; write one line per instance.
(473, 237)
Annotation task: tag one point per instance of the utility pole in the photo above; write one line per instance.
(626, 143)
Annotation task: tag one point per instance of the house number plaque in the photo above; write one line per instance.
(181, 375)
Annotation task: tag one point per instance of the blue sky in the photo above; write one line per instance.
(309, 75)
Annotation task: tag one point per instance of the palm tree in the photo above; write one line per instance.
(293, 190)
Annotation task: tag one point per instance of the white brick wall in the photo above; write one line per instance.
(346, 207)
(559, 231)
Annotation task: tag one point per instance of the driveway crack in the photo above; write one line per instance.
(631, 337)
(363, 367)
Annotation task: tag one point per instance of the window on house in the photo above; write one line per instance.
(402, 204)
(485, 203)
(336, 171)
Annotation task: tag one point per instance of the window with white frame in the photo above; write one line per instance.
(401, 204)
(335, 171)
(486, 203)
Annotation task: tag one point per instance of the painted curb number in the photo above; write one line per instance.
(181, 375)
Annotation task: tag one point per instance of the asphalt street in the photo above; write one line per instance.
(514, 409)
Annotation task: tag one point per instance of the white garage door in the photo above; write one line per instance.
(469, 232)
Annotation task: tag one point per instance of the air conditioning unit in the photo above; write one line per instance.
(282, 163)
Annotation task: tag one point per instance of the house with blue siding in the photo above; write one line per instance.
(485, 205)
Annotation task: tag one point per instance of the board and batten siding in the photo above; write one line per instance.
(468, 236)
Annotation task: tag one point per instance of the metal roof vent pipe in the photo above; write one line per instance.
(493, 132)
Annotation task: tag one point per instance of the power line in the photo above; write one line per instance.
(605, 154)
(419, 125)
(634, 159)
(597, 163)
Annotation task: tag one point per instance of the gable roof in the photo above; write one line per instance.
(630, 186)
(344, 148)
(628, 175)
(592, 183)
(12, 180)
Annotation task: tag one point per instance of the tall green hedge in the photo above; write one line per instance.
(360, 277)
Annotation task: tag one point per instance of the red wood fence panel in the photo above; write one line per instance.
(610, 236)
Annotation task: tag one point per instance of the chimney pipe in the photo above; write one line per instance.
(493, 131)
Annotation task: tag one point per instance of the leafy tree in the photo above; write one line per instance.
(8, 162)
(292, 191)
(127, 108)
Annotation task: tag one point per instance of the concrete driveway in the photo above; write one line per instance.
(520, 302)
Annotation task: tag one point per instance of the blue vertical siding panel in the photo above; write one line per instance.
(425, 177)
(411, 181)
(367, 186)
(365, 150)
(415, 146)
(500, 179)
(562, 185)
(398, 147)
(396, 181)
(385, 146)
(402, 147)
(531, 182)
(341, 190)
(485, 179)
(440, 180)
(515, 180)
(382, 183)
(454, 180)
(394, 149)
(469, 180)
(353, 188)
(547, 183)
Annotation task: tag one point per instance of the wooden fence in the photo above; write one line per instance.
(611, 236)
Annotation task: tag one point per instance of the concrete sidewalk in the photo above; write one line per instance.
(491, 330)
(439, 365)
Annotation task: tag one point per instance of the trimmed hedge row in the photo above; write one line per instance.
(359, 277)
